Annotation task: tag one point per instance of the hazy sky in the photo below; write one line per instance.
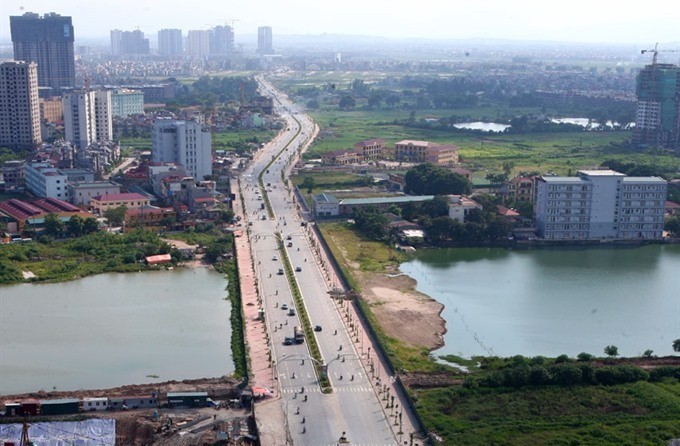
(610, 21)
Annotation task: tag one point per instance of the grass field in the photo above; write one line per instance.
(642, 413)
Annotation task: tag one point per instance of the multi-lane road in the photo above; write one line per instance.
(353, 407)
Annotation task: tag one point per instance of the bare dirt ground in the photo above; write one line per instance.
(403, 313)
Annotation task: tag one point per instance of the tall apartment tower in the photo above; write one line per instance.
(221, 40)
(19, 105)
(186, 143)
(128, 43)
(170, 42)
(265, 43)
(48, 41)
(198, 43)
(88, 117)
(600, 204)
(657, 121)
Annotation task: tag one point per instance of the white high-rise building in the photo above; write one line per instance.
(19, 105)
(170, 42)
(600, 204)
(186, 143)
(198, 43)
(87, 117)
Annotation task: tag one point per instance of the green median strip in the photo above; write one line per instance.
(304, 318)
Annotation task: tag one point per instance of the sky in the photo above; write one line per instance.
(596, 21)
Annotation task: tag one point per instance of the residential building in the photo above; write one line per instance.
(13, 173)
(341, 157)
(148, 216)
(170, 42)
(425, 151)
(87, 117)
(124, 43)
(465, 173)
(185, 143)
(657, 121)
(52, 109)
(48, 41)
(460, 206)
(221, 40)
(370, 149)
(102, 203)
(126, 102)
(95, 404)
(80, 193)
(19, 105)
(44, 180)
(265, 41)
(198, 43)
(521, 189)
(600, 204)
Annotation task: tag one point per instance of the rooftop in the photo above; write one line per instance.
(120, 197)
(601, 173)
(644, 180)
(384, 200)
(572, 180)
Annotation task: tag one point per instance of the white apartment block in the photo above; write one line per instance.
(43, 180)
(19, 105)
(125, 102)
(185, 143)
(198, 43)
(87, 117)
(600, 204)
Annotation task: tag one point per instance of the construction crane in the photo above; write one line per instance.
(656, 52)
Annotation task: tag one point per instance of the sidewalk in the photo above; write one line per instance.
(269, 412)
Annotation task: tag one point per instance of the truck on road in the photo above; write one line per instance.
(298, 335)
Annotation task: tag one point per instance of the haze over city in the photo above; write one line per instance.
(577, 21)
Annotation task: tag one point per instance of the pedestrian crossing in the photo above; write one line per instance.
(345, 389)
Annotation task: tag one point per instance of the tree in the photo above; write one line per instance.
(371, 222)
(347, 102)
(90, 225)
(676, 345)
(648, 353)
(672, 225)
(75, 225)
(428, 179)
(313, 104)
(115, 216)
(308, 183)
(437, 207)
(53, 225)
(612, 351)
(392, 100)
(374, 100)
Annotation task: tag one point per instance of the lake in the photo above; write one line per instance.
(114, 329)
(554, 301)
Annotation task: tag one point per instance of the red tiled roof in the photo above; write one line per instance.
(160, 258)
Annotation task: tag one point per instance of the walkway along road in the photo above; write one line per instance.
(362, 404)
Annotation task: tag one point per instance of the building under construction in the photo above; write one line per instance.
(657, 122)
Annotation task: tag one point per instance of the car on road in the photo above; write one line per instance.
(275, 258)
(280, 273)
(291, 312)
(290, 244)
(298, 269)
(290, 237)
(284, 306)
(317, 328)
(288, 341)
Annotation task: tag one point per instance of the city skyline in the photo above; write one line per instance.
(579, 22)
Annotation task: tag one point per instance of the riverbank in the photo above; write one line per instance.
(402, 313)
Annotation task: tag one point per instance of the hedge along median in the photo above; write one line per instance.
(312, 345)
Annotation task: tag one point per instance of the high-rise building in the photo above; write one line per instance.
(48, 41)
(265, 44)
(198, 43)
(126, 102)
(19, 105)
(170, 42)
(87, 117)
(657, 121)
(186, 143)
(600, 204)
(221, 40)
(128, 43)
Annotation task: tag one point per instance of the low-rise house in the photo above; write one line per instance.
(187, 399)
(396, 182)
(18, 214)
(460, 206)
(158, 259)
(325, 205)
(102, 203)
(148, 216)
(81, 193)
(672, 208)
(507, 214)
(521, 189)
(341, 157)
